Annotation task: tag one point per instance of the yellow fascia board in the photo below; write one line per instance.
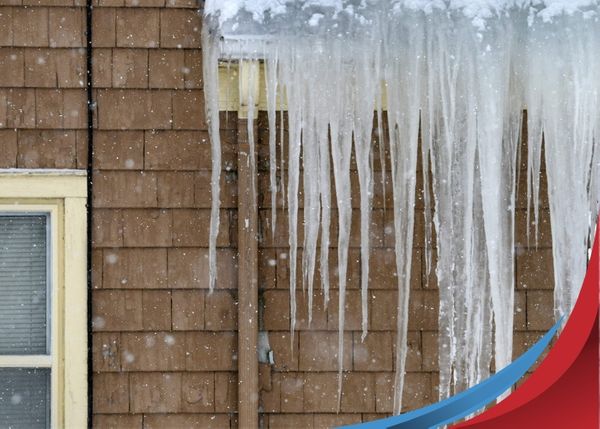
(16, 183)
(229, 90)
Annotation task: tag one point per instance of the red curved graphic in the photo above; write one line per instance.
(563, 391)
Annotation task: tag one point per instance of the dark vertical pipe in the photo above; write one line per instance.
(90, 170)
(248, 392)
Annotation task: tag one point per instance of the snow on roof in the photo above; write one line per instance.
(261, 17)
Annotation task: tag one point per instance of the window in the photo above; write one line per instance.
(43, 299)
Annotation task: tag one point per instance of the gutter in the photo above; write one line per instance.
(90, 169)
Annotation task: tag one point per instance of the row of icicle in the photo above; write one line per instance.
(463, 90)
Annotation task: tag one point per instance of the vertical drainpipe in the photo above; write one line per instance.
(247, 254)
(90, 168)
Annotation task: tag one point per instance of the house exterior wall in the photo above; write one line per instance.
(42, 79)
(164, 350)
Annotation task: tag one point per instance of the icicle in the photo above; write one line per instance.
(380, 91)
(533, 103)
(453, 159)
(210, 49)
(325, 188)
(403, 74)
(341, 147)
(427, 123)
(425, 149)
(364, 105)
(479, 351)
(290, 77)
(281, 146)
(311, 175)
(271, 88)
(497, 150)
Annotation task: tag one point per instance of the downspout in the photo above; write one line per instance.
(247, 250)
(90, 169)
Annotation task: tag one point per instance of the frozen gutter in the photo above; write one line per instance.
(239, 47)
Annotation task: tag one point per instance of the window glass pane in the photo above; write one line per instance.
(24, 398)
(23, 289)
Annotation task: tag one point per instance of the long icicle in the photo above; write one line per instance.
(210, 49)
(323, 138)
(403, 74)
(312, 203)
(365, 87)
(497, 157)
(295, 143)
(341, 147)
(271, 89)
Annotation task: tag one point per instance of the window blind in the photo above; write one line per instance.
(23, 285)
(24, 398)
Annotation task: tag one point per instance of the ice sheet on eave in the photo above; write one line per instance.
(243, 25)
(258, 20)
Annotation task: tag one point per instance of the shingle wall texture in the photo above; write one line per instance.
(164, 350)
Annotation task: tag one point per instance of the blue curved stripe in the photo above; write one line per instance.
(466, 402)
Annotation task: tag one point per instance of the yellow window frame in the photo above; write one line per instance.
(62, 194)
